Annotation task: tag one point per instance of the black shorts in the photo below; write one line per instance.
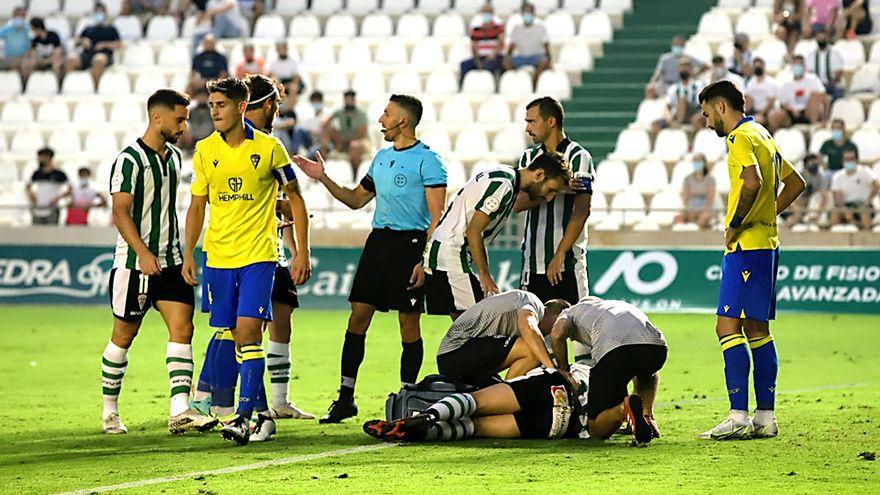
(477, 361)
(384, 270)
(611, 375)
(538, 393)
(451, 292)
(798, 118)
(572, 287)
(284, 290)
(132, 293)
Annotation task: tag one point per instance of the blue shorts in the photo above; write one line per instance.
(234, 292)
(748, 284)
(521, 60)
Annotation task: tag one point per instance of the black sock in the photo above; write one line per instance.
(352, 357)
(411, 361)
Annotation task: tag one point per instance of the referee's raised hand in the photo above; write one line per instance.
(314, 169)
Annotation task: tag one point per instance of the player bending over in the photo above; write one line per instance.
(502, 332)
(747, 297)
(625, 347)
(541, 404)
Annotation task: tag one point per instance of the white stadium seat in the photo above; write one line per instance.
(377, 26)
(681, 170)
(60, 25)
(874, 59)
(554, 83)
(699, 49)
(515, 82)
(611, 176)
(792, 144)
(89, 112)
(290, 7)
(391, 52)
(26, 142)
(43, 83)
(773, 51)
(43, 8)
(805, 47)
(865, 82)
(10, 83)
(509, 143)
(671, 145)
(17, 112)
(324, 8)
(174, 55)
(482, 166)
(598, 208)
(114, 83)
(53, 112)
(575, 56)
(459, 51)
(560, 25)
(147, 83)
(369, 85)
(753, 23)
(874, 114)
(868, 142)
(65, 141)
(709, 144)
(138, 55)
(332, 82)
(441, 82)
(304, 27)
(850, 110)
(438, 139)
(478, 82)
(77, 8)
(355, 54)
(722, 177)
(319, 53)
(471, 144)
(429, 113)
(456, 176)
(596, 26)
(506, 7)
(162, 28)
(616, 6)
(632, 145)
(426, 55)
(734, 4)
(456, 110)
(361, 7)
(340, 26)
(627, 208)
(493, 110)
(579, 7)
(270, 27)
(398, 7)
(434, 7)
(650, 177)
(448, 26)
(853, 52)
(715, 25)
(650, 110)
(127, 112)
(467, 8)
(413, 26)
(100, 142)
(408, 83)
(129, 27)
(818, 137)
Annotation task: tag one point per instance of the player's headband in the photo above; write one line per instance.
(274, 92)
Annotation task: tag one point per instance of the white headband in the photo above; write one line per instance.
(273, 93)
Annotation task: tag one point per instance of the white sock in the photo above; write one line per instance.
(739, 416)
(763, 416)
(451, 430)
(179, 361)
(113, 364)
(278, 365)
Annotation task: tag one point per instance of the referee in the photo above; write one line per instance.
(408, 181)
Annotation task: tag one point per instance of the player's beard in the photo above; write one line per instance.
(718, 124)
(169, 137)
(534, 191)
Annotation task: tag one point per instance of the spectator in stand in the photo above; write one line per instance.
(827, 64)
(667, 71)
(222, 18)
(487, 44)
(16, 42)
(802, 100)
(857, 18)
(823, 17)
(698, 195)
(721, 73)
(834, 148)
(252, 9)
(761, 92)
(292, 135)
(46, 52)
(83, 197)
(528, 44)
(682, 99)
(789, 15)
(818, 183)
(201, 125)
(46, 188)
(209, 64)
(346, 131)
(96, 45)
(741, 62)
(313, 122)
(251, 64)
(286, 70)
(144, 9)
(854, 188)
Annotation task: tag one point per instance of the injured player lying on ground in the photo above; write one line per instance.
(541, 404)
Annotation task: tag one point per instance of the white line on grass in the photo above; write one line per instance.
(233, 469)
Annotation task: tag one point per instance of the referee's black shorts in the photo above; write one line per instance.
(384, 270)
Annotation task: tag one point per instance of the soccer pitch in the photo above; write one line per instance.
(829, 387)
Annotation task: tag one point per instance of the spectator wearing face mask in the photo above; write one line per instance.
(346, 131)
(720, 72)
(802, 100)
(741, 62)
(818, 184)
(252, 64)
(854, 188)
(46, 188)
(667, 71)
(96, 45)
(487, 44)
(827, 64)
(46, 52)
(698, 194)
(285, 69)
(761, 93)
(313, 121)
(834, 148)
(83, 197)
(16, 41)
(528, 44)
(682, 101)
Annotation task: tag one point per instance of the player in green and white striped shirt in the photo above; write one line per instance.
(474, 218)
(147, 264)
(555, 240)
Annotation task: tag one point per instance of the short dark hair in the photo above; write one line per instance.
(811, 156)
(556, 306)
(168, 98)
(37, 23)
(553, 165)
(261, 88)
(230, 87)
(46, 151)
(411, 105)
(349, 92)
(758, 59)
(854, 151)
(316, 95)
(87, 170)
(799, 57)
(717, 59)
(725, 90)
(548, 107)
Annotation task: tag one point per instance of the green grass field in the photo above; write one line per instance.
(50, 364)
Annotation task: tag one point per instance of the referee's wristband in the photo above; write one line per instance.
(736, 221)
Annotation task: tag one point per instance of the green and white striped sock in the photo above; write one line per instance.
(113, 364)
(179, 361)
(448, 431)
(278, 365)
(454, 407)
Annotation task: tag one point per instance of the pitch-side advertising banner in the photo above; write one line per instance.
(840, 281)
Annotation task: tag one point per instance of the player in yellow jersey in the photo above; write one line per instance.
(747, 297)
(236, 170)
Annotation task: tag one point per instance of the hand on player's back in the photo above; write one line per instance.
(314, 169)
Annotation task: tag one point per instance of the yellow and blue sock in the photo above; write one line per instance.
(203, 386)
(224, 374)
(253, 365)
(736, 370)
(766, 369)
